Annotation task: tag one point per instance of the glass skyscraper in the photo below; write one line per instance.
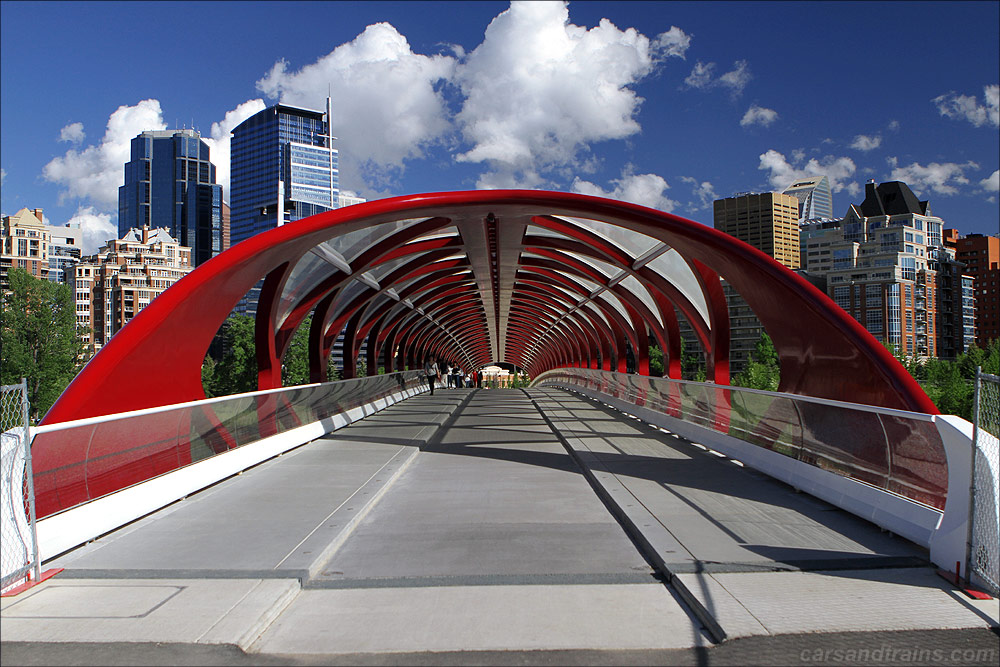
(170, 183)
(283, 168)
(815, 198)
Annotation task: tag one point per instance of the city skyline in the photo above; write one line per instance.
(670, 105)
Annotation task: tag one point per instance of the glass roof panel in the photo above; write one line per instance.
(591, 308)
(671, 265)
(567, 295)
(609, 297)
(382, 270)
(609, 270)
(635, 287)
(590, 286)
(354, 243)
(309, 271)
(535, 230)
(438, 233)
(346, 296)
(631, 242)
(566, 301)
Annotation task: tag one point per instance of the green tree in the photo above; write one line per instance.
(236, 371)
(295, 364)
(951, 392)
(692, 362)
(763, 370)
(39, 338)
(655, 361)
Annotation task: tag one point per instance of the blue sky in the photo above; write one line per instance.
(667, 104)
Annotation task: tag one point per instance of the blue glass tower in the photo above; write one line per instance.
(170, 183)
(283, 168)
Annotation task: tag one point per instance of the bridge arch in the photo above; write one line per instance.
(467, 275)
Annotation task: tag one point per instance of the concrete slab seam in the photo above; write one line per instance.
(327, 553)
(256, 630)
(227, 613)
(739, 602)
(331, 549)
(712, 626)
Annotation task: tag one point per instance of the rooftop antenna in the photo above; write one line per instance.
(330, 138)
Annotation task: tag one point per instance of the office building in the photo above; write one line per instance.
(815, 198)
(226, 237)
(170, 184)
(25, 245)
(123, 278)
(981, 256)
(768, 221)
(283, 168)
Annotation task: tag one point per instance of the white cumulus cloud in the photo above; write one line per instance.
(941, 178)
(992, 182)
(539, 89)
(387, 103)
(95, 172)
(704, 191)
(838, 170)
(97, 228)
(72, 133)
(643, 189)
(966, 107)
(757, 115)
(674, 42)
(702, 76)
(864, 142)
(218, 142)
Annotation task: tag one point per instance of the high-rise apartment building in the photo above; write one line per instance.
(768, 221)
(885, 263)
(815, 198)
(123, 277)
(170, 184)
(65, 251)
(981, 256)
(25, 245)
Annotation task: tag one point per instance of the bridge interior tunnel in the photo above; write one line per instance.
(539, 280)
(533, 291)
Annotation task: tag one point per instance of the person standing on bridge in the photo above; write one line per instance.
(432, 372)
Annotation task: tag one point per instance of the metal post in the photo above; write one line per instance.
(29, 475)
(972, 472)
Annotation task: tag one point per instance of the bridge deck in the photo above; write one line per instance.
(469, 521)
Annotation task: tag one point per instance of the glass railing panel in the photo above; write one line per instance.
(76, 464)
(59, 465)
(696, 405)
(135, 448)
(918, 465)
(889, 449)
(845, 441)
(767, 421)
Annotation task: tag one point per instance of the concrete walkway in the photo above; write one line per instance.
(464, 528)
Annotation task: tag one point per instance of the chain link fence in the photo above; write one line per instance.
(984, 528)
(19, 553)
